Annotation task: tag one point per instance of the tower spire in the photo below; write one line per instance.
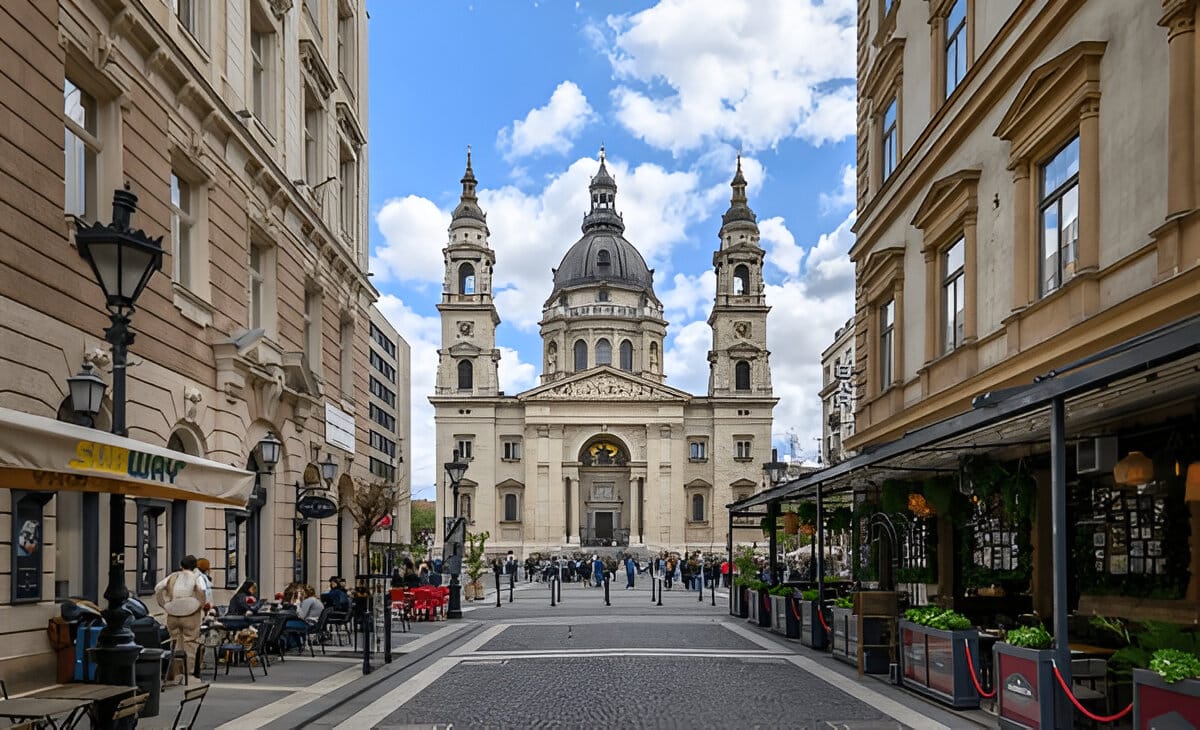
(603, 190)
(468, 209)
(739, 204)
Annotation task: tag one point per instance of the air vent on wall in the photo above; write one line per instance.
(1096, 455)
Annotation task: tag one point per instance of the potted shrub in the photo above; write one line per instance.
(475, 564)
(1026, 690)
(779, 609)
(1168, 693)
(811, 623)
(743, 562)
(933, 655)
(845, 629)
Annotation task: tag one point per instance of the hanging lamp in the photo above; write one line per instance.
(1192, 493)
(1136, 468)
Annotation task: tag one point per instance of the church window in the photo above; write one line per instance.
(603, 259)
(580, 355)
(741, 279)
(466, 279)
(466, 375)
(698, 451)
(512, 450)
(741, 375)
(741, 450)
(697, 508)
(602, 296)
(626, 355)
(511, 513)
(603, 352)
(464, 448)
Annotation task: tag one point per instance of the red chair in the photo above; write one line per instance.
(402, 605)
(443, 598)
(424, 602)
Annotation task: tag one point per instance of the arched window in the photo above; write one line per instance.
(741, 375)
(697, 508)
(603, 352)
(464, 507)
(466, 375)
(626, 355)
(602, 258)
(741, 279)
(466, 279)
(580, 355)
(510, 508)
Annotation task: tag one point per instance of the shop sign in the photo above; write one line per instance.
(94, 456)
(316, 507)
(339, 428)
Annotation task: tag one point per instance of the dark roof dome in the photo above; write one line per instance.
(603, 254)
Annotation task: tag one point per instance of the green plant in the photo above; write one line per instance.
(843, 602)
(1175, 665)
(743, 560)
(1031, 637)
(839, 519)
(893, 496)
(767, 524)
(476, 566)
(809, 594)
(937, 618)
(1152, 637)
(781, 590)
(757, 585)
(807, 513)
(916, 575)
(939, 493)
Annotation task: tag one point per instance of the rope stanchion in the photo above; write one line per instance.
(1095, 718)
(971, 671)
(796, 614)
(821, 617)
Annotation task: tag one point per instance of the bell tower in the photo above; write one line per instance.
(468, 358)
(739, 362)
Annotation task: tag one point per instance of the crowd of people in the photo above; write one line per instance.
(691, 571)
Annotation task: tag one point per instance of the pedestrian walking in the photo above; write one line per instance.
(181, 594)
(598, 570)
(630, 572)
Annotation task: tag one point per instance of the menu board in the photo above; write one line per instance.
(995, 540)
(1129, 532)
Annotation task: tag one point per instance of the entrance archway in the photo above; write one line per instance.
(603, 493)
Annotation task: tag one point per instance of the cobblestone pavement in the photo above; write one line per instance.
(633, 664)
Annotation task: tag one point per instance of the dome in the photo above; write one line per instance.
(603, 256)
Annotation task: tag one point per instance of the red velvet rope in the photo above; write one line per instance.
(821, 617)
(792, 605)
(971, 669)
(1097, 718)
(767, 601)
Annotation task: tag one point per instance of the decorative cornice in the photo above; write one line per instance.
(348, 122)
(315, 68)
(1179, 16)
(280, 7)
(886, 71)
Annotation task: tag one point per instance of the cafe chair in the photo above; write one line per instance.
(1089, 683)
(234, 651)
(3, 690)
(339, 625)
(130, 707)
(318, 632)
(195, 697)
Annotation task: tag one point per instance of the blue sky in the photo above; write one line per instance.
(673, 89)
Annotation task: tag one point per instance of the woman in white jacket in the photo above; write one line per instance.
(181, 594)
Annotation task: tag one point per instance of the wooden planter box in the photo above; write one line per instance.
(740, 607)
(933, 662)
(845, 634)
(1026, 690)
(876, 659)
(779, 614)
(1157, 704)
(812, 631)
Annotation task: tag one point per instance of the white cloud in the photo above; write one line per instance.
(550, 128)
(685, 361)
(515, 376)
(844, 196)
(414, 233)
(689, 295)
(758, 71)
(780, 245)
(423, 335)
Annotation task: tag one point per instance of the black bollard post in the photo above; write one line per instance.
(700, 593)
(606, 603)
(660, 590)
(552, 604)
(651, 582)
(558, 583)
(512, 581)
(387, 629)
(714, 589)
(366, 624)
(497, 590)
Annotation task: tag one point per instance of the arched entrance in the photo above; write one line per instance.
(604, 493)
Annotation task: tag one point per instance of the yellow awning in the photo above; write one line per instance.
(42, 454)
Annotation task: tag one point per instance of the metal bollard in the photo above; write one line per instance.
(512, 580)
(714, 590)
(552, 604)
(559, 584)
(387, 628)
(700, 592)
(497, 590)
(606, 603)
(660, 590)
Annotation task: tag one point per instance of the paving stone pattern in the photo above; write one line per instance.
(612, 692)
(585, 635)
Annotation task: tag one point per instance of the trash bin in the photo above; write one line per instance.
(148, 676)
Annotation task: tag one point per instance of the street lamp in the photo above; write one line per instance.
(87, 393)
(328, 468)
(776, 471)
(123, 260)
(454, 472)
(268, 451)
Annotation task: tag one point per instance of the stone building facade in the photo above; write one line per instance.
(241, 128)
(837, 395)
(602, 452)
(389, 415)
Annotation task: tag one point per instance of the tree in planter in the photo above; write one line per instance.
(743, 560)
(475, 564)
(368, 503)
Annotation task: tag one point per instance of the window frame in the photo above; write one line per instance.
(698, 450)
(579, 355)
(958, 38)
(192, 16)
(510, 450)
(464, 445)
(91, 143)
(889, 132)
(465, 374)
(516, 506)
(692, 498)
(626, 355)
(181, 202)
(1055, 198)
(467, 279)
(312, 319)
(603, 352)
(312, 124)
(743, 448)
(953, 282)
(742, 380)
(887, 342)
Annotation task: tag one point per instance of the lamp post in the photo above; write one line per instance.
(454, 472)
(123, 260)
(776, 471)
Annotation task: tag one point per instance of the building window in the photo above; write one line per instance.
(383, 340)
(383, 393)
(956, 46)
(580, 355)
(603, 258)
(953, 296)
(511, 513)
(654, 357)
(182, 222)
(382, 443)
(741, 375)
(741, 279)
(382, 469)
(741, 450)
(603, 352)
(698, 514)
(602, 295)
(464, 508)
(348, 181)
(626, 355)
(1059, 217)
(383, 418)
(466, 279)
(466, 375)
(312, 140)
(193, 17)
(698, 451)
(313, 9)
(891, 138)
(83, 151)
(464, 448)
(262, 68)
(346, 359)
(312, 330)
(384, 368)
(347, 57)
(887, 355)
(512, 450)
(258, 260)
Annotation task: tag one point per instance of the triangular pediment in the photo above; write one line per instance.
(604, 384)
(464, 348)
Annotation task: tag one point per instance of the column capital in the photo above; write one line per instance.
(1179, 17)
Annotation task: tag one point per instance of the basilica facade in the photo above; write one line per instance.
(602, 452)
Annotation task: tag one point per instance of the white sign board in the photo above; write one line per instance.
(339, 428)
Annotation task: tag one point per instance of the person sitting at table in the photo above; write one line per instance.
(244, 600)
(411, 579)
(337, 598)
(307, 614)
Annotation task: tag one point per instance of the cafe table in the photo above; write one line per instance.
(44, 710)
(95, 694)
